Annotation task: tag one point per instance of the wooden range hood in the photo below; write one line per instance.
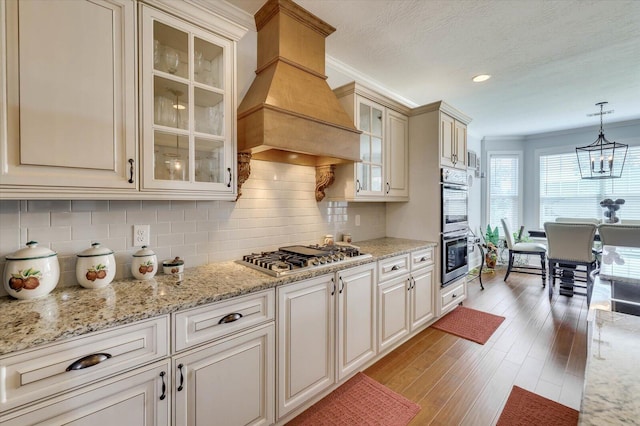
(290, 114)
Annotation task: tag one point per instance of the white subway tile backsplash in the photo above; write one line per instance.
(45, 236)
(108, 217)
(277, 208)
(90, 232)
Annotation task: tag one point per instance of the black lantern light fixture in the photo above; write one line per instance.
(601, 159)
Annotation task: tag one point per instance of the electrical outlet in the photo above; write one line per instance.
(141, 235)
(357, 220)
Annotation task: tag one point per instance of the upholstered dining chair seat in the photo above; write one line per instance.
(534, 247)
(524, 249)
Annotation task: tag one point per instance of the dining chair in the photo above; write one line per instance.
(521, 248)
(577, 220)
(570, 256)
(619, 235)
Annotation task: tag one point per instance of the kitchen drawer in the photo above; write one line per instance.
(452, 295)
(206, 323)
(393, 267)
(33, 374)
(421, 258)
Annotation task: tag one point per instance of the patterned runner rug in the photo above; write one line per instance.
(469, 324)
(360, 401)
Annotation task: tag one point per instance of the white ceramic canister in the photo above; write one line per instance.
(95, 267)
(31, 272)
(144, 264)
(173, 266)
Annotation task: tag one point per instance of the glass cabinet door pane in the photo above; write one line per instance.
(208, 112)
(208, 63)
(171, 103)
(365, 117)
(171, 156)
(376, 150)
(365, 147)
(376, 122)
(210, 161)
(376, 178)
(366, 177)
(170, 50)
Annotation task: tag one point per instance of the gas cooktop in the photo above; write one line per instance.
(298, 258)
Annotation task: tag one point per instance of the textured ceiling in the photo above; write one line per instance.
(550, 61)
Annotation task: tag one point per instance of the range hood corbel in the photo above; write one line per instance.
(290, 114)
(244, 170)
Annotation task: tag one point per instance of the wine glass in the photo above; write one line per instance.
(171, 59)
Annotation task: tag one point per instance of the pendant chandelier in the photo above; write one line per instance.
(601, 159)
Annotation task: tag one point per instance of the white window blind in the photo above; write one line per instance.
(504, 190)
(564, 194)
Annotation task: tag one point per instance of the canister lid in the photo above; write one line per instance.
(144, 252)
(173, 262)
(95, 250)
(32, 251)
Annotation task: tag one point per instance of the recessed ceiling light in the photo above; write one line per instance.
(480, 78)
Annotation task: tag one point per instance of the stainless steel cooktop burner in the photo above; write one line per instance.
(298, 258)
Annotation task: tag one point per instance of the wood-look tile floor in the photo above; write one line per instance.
(541, 347)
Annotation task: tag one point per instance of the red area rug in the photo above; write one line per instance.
(359, 401)
(527, 408)
(469, 324)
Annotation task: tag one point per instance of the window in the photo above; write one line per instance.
(564, 194)
(504, 190)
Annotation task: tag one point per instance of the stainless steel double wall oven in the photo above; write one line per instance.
(455, 224)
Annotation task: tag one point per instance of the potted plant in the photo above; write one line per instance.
(491, 240)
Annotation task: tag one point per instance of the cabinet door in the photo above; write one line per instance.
(188, 112)
(397, 155)
(370, 171)
(70, 86)
(306, 336)
(460, 145)
(422, 307)
(447, 135)
(138, 398)
(230, 382)
(393, 318)
(356, 318)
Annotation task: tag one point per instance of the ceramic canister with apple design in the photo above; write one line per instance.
(144, 264)
(31, 272)
(95, 267)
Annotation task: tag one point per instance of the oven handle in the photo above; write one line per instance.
(455, 187)
(454, 235)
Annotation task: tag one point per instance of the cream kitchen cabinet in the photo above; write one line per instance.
(138, 398)
(452, 295)
(383, 172)
(405, 296)
(92, 379)
(453, 142)
(117, 102)
(224, 368)
(68, 85)
(187, 108)
(326, 331)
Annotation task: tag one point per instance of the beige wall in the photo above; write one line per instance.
(278, 207)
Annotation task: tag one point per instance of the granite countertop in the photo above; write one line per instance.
(612, 376)
(73, 311)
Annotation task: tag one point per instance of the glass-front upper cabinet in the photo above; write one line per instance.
(187, 103)
(369, 172)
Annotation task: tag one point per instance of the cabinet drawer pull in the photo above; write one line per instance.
(395, 267)
(164, 386)
(88, 361)
(181, 378)
(334, 287)
(409, 287)
(453, 296)
(130, 170)
(230, 318)
(341, 285)
(230, 177)
(388, 187)
(358, 187)
(423, 259)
